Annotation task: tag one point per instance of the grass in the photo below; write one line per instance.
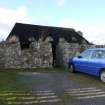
(92, 80)
(8, 84)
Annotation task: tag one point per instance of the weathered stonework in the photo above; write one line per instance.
(12, 55)
(66, 50)
(38, 55)
(2, 55)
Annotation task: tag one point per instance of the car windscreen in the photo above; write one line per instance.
(86, 54)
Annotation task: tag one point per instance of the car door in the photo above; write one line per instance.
(81, 62)
(95, 62)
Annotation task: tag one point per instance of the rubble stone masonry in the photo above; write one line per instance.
(39, 53)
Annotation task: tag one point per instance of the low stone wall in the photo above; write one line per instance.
(11, 55)
(66, 50)
(2, 55)
(39, 53)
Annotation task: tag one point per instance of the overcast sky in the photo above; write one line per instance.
(87, 16)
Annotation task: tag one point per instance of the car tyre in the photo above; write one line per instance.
(71, 68)
(102, 76)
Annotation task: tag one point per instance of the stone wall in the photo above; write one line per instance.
(12, 55)
(38, 55)
(2, 55)
(66, 50)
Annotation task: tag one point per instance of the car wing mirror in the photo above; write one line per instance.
(80, 56)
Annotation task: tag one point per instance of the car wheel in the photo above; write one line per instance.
(71, 68)
(102, 76)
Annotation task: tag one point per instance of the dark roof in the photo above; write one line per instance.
(25, 31)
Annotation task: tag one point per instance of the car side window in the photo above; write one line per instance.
(86, 54)
(98, 54)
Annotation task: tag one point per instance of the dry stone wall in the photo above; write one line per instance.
(2, 55)
(38, 55)
(12, 55)
(66, 50)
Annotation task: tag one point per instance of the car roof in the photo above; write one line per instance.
(96, 49)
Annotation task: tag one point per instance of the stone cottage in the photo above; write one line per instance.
(31, 46)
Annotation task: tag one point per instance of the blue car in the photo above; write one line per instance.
(91, 61)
